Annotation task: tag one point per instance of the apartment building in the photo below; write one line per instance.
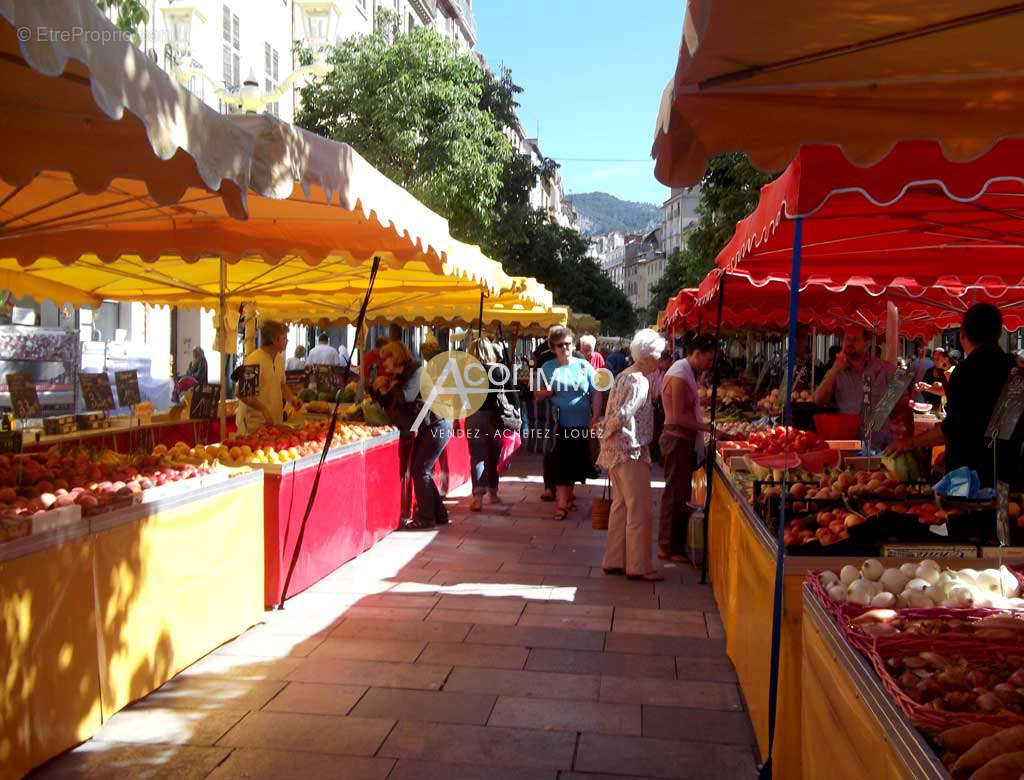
(643, 265)
(679, 214)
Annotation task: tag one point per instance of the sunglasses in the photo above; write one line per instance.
(566, 344)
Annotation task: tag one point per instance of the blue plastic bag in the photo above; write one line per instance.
(962, 483)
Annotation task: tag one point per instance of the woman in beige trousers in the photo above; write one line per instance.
(627, 432)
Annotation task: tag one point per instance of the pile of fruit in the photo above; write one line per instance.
(774, 399)
(826, 527)
(728, 395)
(774, 441)
(950, 682)
(861, 483)
(283, 444)
(32, 484)
(892, 624)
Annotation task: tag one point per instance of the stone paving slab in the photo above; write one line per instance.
(210, 693)
(467, 654)
(563, 715)
(485, 745)
(678, 693)
(309, 733)
(663, 758)
(510, 682)
(544, 659)
(316, 698)
(432, 770)
(396, 650)
(255, 764)
(473, 616)
(372, 673)
(537, 637)
(102, 760)
(697, 725)
(153, 725)
(357, 628)
(427, 706)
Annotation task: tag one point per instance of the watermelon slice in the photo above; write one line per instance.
(818, 460)
(785, 460)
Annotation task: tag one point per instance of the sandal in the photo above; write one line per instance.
(561, 513)
(417, 525)
(614, 571)
(651, 576)
(545, 496)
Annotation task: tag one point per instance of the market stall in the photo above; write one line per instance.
(88, 626)
(863, 75)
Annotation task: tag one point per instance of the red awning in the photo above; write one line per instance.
(915, 215)
(923, 311)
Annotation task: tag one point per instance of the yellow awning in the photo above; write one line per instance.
(584, 323)
(764, 78)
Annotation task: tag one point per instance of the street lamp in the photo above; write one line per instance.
(318, 20)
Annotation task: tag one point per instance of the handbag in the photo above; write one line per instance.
(511, 441)
(601, 509)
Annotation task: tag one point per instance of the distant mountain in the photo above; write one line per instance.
(600, 212)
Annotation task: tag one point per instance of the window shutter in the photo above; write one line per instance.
(266, 58)
(275, 65)
(235, 31)
(227, 24)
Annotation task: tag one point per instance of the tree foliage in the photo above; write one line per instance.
(131, 14)
(729, 191)
(439, 123)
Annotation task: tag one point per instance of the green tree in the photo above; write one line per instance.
(131, 14)
(729, 191)
(438, 123)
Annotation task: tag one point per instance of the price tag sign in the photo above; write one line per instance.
(96, 392)
(205, 402)
(893, 392)
(248, 382)
(127, 387)
(10, 442)
(1003, 513)
(760, 377)
(929, 551)
(1008, 408)
(24, 398)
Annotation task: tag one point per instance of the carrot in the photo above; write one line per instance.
(1008, 766)
(962, 738)
(1006, 741)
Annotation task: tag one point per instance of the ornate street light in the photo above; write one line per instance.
(318, 20)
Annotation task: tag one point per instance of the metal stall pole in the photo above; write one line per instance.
(222, 299)
(780, 556)
(712, 451)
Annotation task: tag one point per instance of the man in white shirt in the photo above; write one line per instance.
(682, 436)
(267, 406)
(323, 354)
(298, 362)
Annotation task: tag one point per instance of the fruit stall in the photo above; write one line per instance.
(92, 547)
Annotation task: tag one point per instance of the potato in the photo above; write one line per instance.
(960, 739)
(1008, 766)
(984, 750)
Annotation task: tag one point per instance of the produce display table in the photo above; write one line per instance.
(131, 438)
(851, 728)
(742, 574)
(103, 611)
(357, 504)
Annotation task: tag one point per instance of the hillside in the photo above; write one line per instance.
(600, 212)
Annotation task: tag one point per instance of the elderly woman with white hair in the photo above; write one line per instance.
(588, 346)
(628, 430)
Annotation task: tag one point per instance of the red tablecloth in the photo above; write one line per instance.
(454, 468)
(357, 504)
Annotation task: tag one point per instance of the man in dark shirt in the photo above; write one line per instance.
(971, 396)
(617, 361)
(933, 386)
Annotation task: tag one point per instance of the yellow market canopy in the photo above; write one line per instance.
(116, 183)
(584, 323)
(764, 78)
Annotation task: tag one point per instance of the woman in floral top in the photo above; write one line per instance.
(628, 429)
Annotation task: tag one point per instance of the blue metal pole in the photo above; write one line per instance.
(780, 556)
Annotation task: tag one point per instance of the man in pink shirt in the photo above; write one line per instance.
(680, 439)
(588, 346)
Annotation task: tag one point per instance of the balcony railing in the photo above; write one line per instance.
(426, 9)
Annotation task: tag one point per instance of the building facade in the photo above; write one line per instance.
(643, 265)
(679, 214)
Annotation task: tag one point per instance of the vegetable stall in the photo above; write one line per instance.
(864, 239)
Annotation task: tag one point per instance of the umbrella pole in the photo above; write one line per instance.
(712, 452)
(327, 444)
(780, 555)
(223, 351)
(814, 355)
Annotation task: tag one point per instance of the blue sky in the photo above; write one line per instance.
(593, 71)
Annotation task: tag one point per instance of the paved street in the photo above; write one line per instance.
(493, 649)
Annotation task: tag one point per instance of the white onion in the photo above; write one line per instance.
(872, 569)
(837, 592)
(920, 601)
(903, 600)
(883, 600)
(988, 580)
(894, 580)
(917, 585)
(828, 578)
(1010, 584)
(909, 570)
(928, 573)
(960, 597)
(966, 575)
(936, 593)
(859, 593)
(929, 562)
(849, 574)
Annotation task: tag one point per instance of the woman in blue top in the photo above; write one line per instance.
(569, 383)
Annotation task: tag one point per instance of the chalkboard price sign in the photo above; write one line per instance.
(127, 387)
(10, 442)
(24, 398)
(248, 382)
(96, 392)
(893, 393)
(205, 402)
(1008, 409)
